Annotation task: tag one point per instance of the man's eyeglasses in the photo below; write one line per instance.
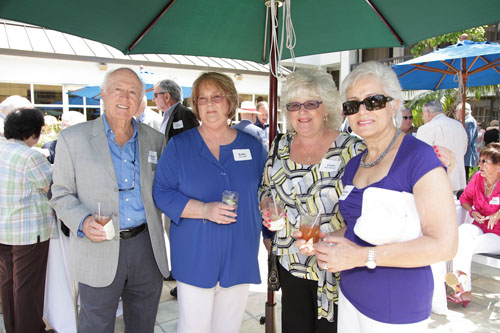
(371, 103)
(308, 105)
(214, 99)
(484, 161)
(160, 93)
(133, 178)
(407, 117)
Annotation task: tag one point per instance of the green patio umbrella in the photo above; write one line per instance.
(236, 28)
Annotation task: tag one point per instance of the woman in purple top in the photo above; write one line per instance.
(387, 288)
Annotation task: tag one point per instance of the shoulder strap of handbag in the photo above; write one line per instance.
(276, 141)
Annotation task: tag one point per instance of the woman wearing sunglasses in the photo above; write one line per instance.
(213, 245)
(389, 287)
(310, 160)
(482, 199)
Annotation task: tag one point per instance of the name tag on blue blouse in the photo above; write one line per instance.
(329, 165)
(495, 201)
(345, 193)
(242, 154)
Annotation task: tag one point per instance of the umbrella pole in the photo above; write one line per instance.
(464, 81)
(273, 125)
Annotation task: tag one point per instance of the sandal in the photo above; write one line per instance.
(458, 291)
(458, 298)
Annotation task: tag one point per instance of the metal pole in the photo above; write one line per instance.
(273, 125)
(464, 88)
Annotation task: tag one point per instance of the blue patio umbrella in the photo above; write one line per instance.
(95, 92)
(465, 64)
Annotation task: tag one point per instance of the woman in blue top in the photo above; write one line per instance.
(213, 247)
(387, 288)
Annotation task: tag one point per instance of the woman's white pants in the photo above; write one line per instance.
(211, 310)
(472, 240)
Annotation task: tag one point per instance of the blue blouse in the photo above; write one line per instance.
(202, 252)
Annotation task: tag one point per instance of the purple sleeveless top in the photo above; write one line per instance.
(389, 294)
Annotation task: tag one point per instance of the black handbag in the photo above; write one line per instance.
(273, 279)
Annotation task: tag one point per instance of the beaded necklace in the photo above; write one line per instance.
(381, 156)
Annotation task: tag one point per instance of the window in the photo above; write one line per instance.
(9, 89)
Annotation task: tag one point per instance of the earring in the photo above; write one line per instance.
(394, 121)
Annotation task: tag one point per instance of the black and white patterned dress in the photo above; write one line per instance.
(308, 189)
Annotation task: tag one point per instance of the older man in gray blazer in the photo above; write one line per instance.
(110, 163)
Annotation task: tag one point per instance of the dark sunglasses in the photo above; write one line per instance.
(407, 117)
(308, 105)
(371, 103)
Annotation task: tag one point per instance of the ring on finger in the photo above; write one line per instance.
(325, 266)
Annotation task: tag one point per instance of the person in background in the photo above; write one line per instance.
(147, 116)
(248, 116)
(176, 117)
(26, 222)
(388, 287)
(9, 105)
(491, 133)
(407, 123)
(108, 164)
(482, 199)
(480, 136)
(262, 118)
(440, 130)
(310, 160)
(68, 119)
(471, 156)
(214, 245)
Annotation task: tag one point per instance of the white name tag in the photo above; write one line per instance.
(495, 201)
(178, 124)
(345, 193)
(242, 154)
(329, 165)
(153, 157)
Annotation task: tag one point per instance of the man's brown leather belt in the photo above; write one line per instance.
(129, 233)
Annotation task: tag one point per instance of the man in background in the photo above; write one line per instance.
(407, 122)
(443, 131)
(263, 117)
(471, 157)
(248, 115)
(176, 117)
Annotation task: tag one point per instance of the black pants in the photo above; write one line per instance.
(22, 284)
(299, 306)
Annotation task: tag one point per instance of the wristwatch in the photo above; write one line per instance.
(370, 261)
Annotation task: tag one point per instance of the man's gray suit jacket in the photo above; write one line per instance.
(83, 177)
